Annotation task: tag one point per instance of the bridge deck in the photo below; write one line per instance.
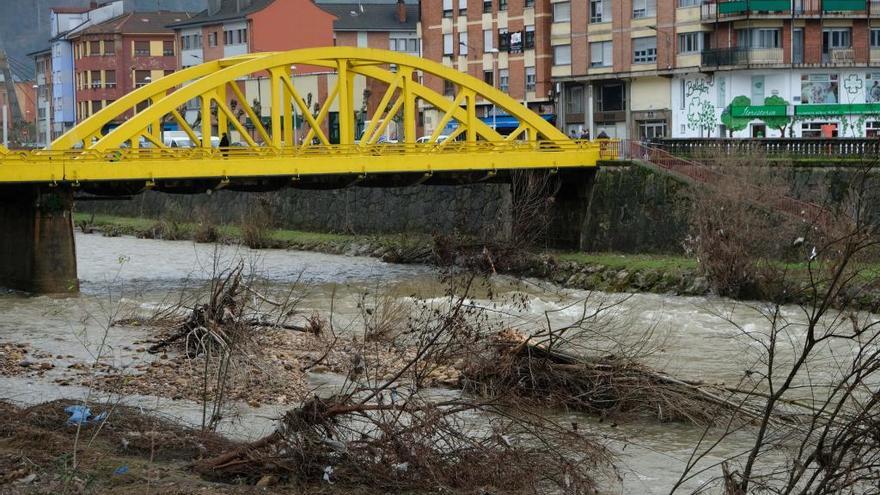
(73, 166)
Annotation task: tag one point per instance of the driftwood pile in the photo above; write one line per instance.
(609, 386)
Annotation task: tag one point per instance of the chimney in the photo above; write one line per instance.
(401, 11)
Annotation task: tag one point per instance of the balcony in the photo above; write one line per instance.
(839, 56)
(730, 57)
(844, 6)
(726, 9)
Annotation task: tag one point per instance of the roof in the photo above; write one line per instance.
(44, 51)
(70, 10)
(371, 16)
(138, 22)
(228, 11)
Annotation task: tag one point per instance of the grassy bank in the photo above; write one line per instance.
(609, 272)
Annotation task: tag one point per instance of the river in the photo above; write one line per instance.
(123, 272)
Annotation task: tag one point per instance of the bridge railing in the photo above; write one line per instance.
(772, 147)
(605, 148)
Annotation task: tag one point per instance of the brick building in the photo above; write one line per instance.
(687, 68)
(235, 27)
(118, 55)
(506, 43)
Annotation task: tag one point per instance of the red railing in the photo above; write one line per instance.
(702, 173)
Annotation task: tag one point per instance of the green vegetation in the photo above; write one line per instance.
(634, 262)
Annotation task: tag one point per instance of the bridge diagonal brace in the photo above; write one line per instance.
(322, 114)
(386, 120)
(383, 103)
(258, 125)
(447, 116)
(305, 109)
(224, 108)
(185, 126)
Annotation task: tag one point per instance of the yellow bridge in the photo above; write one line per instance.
(136, 151)
(37, 251)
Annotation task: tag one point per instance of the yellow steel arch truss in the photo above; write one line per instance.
(135, 149)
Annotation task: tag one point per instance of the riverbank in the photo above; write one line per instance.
(608, 272)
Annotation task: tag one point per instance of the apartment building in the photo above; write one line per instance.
(114, 57)
(43, 83)
(506, 43)
(741, 68)
(235, 27)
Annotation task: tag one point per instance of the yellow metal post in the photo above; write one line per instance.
(409, 106)
(471, 123)
(275, 111)
(346, 112)
(206, 120)
(222, 123)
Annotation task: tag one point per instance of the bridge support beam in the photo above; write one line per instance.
(37, 251)
(570, 215)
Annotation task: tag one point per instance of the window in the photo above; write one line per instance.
(212, 39)
(819, 88)
(489, 77)
(872, 129)
(601, 54)
(462, 44)
(689, 3)
(110, 78)
(462, 7)
(168, 48)
(875, 38)
(488, 40)
(562, 12)
(94, 48)
(141, 78)
(448, 88)
(503, 80)
(574, 99)
(651, 129)
(109, 47)
(531, 78)
(645, 50)
(837, 38)
(95, 78)
(600, 10)
(142, 48)
(97, 105)
(503, 40)
(487, 6)
(529, 3)
(447, 8)
(502, 4)
(447, 44)
(814, 129)
(404, 45)
(529, 38)
(644, 8)
(758, 38)
(562, 55)
(690, 42)
(185, 43)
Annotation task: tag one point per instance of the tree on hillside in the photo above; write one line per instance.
(732, 123)
(779, 122)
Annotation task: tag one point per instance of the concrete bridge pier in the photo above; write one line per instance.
(37, 250)
(570, 214)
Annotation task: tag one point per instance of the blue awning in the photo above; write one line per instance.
(503, 123)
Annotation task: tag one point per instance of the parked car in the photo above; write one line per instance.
(425, 139)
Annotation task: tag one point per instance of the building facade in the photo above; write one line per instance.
(506, 43)
(742, 68)
(114, 57)
(43, 83)
(235, 27)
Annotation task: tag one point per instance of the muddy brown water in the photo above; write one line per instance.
(692, 338)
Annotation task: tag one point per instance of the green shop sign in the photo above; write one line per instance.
(759, 111)
(821, 110)
(807, 110)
